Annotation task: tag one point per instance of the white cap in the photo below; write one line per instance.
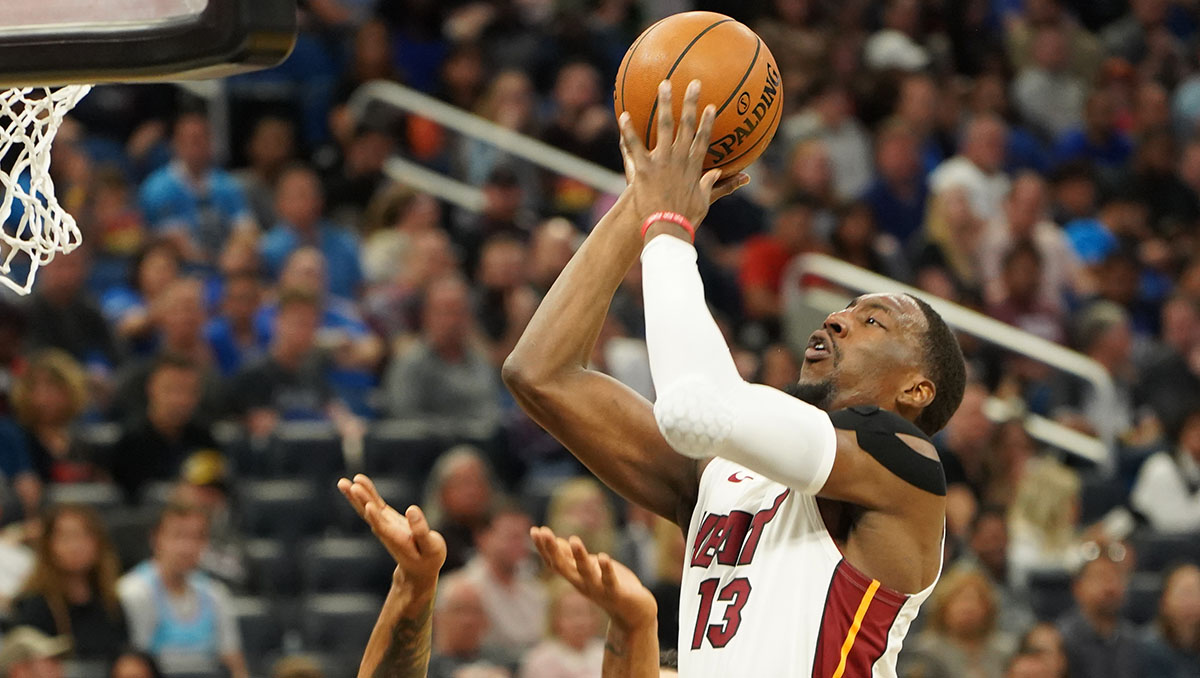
(889, 49)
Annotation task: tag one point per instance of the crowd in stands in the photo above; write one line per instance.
(257, 309)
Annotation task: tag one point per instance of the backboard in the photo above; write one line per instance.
(57, 42)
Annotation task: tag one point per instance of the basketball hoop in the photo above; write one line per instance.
(41, 228)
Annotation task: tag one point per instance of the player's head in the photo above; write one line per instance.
(889, 350)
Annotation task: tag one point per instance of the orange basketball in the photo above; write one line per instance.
(737, 74)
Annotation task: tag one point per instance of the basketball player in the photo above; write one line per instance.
(815, 520)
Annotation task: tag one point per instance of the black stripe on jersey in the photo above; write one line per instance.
(877, 432)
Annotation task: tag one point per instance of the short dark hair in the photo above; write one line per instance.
(179, 509)
(945, 366)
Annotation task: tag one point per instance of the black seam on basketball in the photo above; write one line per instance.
(636, 44)
(753, 61)
(755, 144)
(654, 108)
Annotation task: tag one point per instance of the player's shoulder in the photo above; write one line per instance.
(896, 443)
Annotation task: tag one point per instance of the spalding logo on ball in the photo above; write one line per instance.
(737, 74)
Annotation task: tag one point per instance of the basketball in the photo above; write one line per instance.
(737, 73)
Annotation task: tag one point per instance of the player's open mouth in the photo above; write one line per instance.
(819, 346)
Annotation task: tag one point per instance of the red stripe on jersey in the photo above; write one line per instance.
(862, 645)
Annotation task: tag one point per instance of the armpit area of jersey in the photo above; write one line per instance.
(878, 436)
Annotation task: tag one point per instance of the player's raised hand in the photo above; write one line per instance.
(419, 551)
(670, 178)
(604, 581)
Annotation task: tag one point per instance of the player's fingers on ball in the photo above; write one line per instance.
(633, 143)
(666, 119)
(728, 185)
(687, 119)
(709, 180)
(626, 160)
(703, 135)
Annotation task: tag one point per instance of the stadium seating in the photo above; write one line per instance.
(334, 622)
(1098, 497)
(401, 449)
(345, 564)
(1141, 599)
(261, 629)
(129, 529)
(302, 449)
(272, 568)
(1050, 594)
(103, 497)
(283, 509)
(397, 492)
(1158, 552)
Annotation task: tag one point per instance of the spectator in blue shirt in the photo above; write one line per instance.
(299, 202)
(232, 333)
(897, 196)
(1098, 141)
(194, 202)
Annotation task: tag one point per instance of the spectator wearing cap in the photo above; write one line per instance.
(28, 653)
(181, 616)
(1167, 489)
(1099, 641)
(300, 203)
(154, 445)
(445, 377)
(895, 46)
(193, 201)
(204, 481)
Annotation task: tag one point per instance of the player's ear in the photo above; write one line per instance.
(919, 392)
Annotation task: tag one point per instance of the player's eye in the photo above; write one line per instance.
(871, 320)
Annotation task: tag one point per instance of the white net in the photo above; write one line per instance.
(31, 220)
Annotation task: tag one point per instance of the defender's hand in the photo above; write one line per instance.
(604, 581)
(670, 178)
(419, 551)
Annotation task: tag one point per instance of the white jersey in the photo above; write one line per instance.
(766, 591)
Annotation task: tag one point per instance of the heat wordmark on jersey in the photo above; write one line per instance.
(766, 591)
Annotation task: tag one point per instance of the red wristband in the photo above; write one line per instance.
(673, 217)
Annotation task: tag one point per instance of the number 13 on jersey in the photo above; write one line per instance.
(735, 594)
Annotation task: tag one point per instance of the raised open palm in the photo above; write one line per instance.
(418, 550)
(604, 581)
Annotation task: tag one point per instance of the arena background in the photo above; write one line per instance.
(1034, 164)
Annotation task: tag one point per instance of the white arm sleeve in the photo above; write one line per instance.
(704, 407)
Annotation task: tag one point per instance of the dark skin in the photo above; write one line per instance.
(887, 528)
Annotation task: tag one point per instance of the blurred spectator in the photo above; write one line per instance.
(1099, 642)
(299, 202)
(61, 314)
(205, 483)
(394, 308)
(168, 430)
(952, 235)
(1074, 192)
(192, 201)
(987, 550)
(581, 124)
(897, 195)
(979, 167)
(127, 307)
(1025, 220)
(505, 302)
(1154, 180)
(765, 257)
(48, 400)
(797, 35)
(291, 382)
(503, 213)
(1045, 641)
(460, 495)
(72, 591)
(580, 507)
(553, 244)
(637, 547)
(176, 613)
(829, 117)
(896, 45)
(1170, 372)
(1174, 639)
(1043, 521)
(444, 377)
(916, 107)
(856, 240)
(132, 663)
(1142, 33)
(961, 638)
(810, 178)
(1098, 141)
(573, 648)
(1084, 51)
(115, 224)
(29, 653)
(394, 217)
(1048, 95)
(503, 573)
(1019, 295)
(272, 145)
(351, 186)
(1167, 489)
(179, 317)
(462, 621)
(511, 102)
(232, 334)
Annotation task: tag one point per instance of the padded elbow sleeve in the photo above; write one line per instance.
(761, 428)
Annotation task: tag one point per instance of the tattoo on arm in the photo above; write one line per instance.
(407, 654)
